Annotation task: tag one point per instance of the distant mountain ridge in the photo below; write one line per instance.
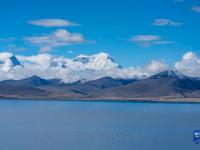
(168, 84)
(33, 81)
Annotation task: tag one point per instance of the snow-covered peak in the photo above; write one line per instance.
(103, 57)
(100, 56)
(82, 58)
(171, 73)
(175, 73)
(97, 62)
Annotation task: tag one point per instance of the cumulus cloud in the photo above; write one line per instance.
(5, 61)
(155, 66)
(51, 22)
(166, 22)
(82, 67)
(149, 40)
(58, 38)
(189, 65)
(196, 9)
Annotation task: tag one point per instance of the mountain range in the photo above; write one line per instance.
(168, 85)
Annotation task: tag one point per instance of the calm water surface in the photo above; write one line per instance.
(59, 125)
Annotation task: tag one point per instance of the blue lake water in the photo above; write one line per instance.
(76, 125)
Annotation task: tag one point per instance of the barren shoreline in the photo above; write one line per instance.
(113, 99)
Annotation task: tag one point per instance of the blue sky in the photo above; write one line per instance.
(133, 32)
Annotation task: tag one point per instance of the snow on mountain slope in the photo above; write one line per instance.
(97, 62)
(171, 74)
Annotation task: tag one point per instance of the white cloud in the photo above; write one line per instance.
(189, 65)
(189, 56)
(196, 9)
(51, 22)
(155, 66)
(5, 62)
(145, 38)
(166, 22)
(58, 38)
(149, 40)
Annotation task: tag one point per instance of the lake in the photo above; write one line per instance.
(85, 125)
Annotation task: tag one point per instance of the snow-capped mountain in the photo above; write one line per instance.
(80, 68)
(97, 62)
(171, 74)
